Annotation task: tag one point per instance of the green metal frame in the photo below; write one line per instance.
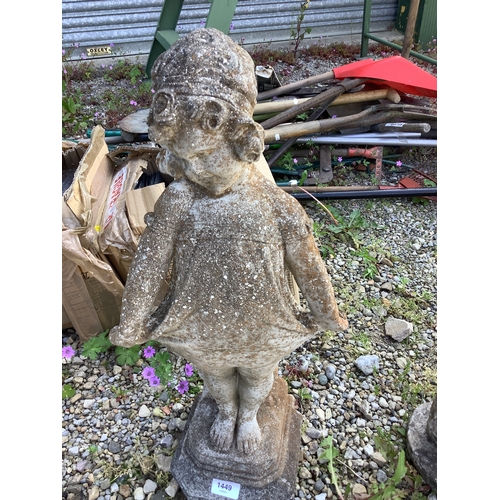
(366, 35)
(219, 16)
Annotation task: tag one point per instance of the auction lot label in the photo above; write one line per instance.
(225, 488)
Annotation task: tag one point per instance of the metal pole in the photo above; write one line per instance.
(410, 28)
(398, 47)
(376, 193)
(374, 141)
(367, 11)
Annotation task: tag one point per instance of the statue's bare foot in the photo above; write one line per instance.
(222, 431)
(248, 437)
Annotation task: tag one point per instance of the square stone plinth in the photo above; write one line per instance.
(268, 473)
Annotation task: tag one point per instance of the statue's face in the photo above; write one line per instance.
(194, 132)
(215, 176)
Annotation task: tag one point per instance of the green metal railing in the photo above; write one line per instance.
(220, 16)
(366, 35)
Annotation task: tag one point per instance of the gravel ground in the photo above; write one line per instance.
(118, 433)
(116, 440)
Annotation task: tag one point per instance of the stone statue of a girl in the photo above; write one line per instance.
(227, 235)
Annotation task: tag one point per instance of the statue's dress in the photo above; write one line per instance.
(229, 300)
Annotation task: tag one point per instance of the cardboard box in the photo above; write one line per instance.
(116, 238)
(102, 221)
(91, 288)
(138, 203)
(66, 322)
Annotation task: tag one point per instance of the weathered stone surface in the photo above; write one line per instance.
(421, 447)
(172, 488)
(269, 472)
(432, 422)
(367, 363)
(229, 236)
(398, 329)
(144, 411)
(164, 462)
(378, 458)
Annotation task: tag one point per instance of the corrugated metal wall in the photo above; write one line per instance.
(130, 24)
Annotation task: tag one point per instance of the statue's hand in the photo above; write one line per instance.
(127, 336)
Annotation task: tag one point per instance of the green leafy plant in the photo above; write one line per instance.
(119, 392)
(364, 340)
(287, 161)
(73, 119)
(405, 482)
(68, 391)
(296, 32)
(349, 229)
(128, 355)
(303, 178)
(331, 454)
(370, 262)
(163, 366)
(93, 449)
(389, 490)
(96, 345)
(303, 393)
(76, 69)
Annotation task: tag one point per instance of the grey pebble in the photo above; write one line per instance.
(114, 447)
(313, 433)
(330, 371)
(367, 363)
(104, 484)
(381, 476)
(149, 486)
(166, 441)
(319, 485)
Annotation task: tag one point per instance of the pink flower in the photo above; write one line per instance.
(154, 381)
(68, 352)
(398, 163)
(148, 372)
(188, 370)
(148, 352)
(339, 159)
(183, 386)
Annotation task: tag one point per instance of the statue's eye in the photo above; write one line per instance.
(163, 103)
